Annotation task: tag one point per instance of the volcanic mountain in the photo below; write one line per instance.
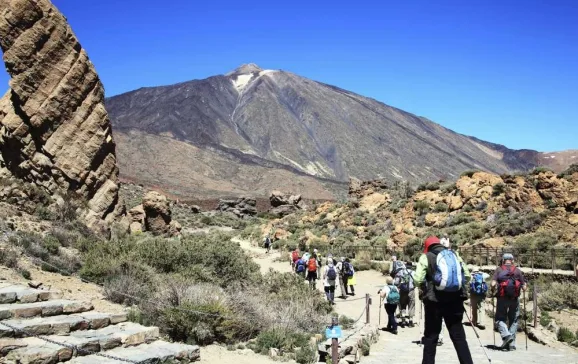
(253, 130)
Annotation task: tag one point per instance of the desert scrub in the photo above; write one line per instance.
(441, 207)
(559, 296)
(517, 223)
(566, 335)
(498, 189)
(460, 218)
(421, 206)
(9, 257)
(469, 173)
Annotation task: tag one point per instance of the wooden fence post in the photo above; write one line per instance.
(367, 303)
(553, 260)
(574, 266)
(535, 298)
(533, 250)
(334, 343)
(487, 256)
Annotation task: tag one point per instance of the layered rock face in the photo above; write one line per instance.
(154, 215)
(242, 207)
(285, 204)
(55, 131)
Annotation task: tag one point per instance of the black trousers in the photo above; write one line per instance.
(452, 313)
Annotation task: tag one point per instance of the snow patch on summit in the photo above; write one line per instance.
(241, 81)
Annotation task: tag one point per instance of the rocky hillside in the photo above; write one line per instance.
(55, 133)
(538, 210)
(253, 130)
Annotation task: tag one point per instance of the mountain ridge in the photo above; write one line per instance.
(274, 118)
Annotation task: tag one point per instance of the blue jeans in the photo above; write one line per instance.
(391, 322)
(507, 314)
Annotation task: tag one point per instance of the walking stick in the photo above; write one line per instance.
(494, 320)
(380, 308)
(525, 319)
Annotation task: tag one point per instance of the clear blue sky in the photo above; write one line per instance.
(503, 71)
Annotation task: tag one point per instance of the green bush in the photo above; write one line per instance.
(460, 219)
(569, 171)
(9, 257)
(540, 169)
(281, 339)
(346, 322)
(441, 207)
(25, 273)
(518, 223)
(498, 189)
(449, 188)
(428, 186)
(566, 335)
(469, 173)
(545, 319)
(559, 296)
(365, 347)
(421, 206)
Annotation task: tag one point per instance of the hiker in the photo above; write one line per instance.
(391, 298)
(329, 278)
(294, 258)
(312, 271)
(441, 275)
(318, 258)
(306, 256)
(342, 278)
(404, 282)
(349, 277)
(478, 292)
(507, 283)
(267, 243)
(392, 265)
(300, 267)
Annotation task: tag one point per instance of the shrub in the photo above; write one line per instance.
(346, 322)
(559, 296)
(421, 206)
(25, 273)
(545, 319)
(459, 219)
(9, 257)
(540, 169)
(365, 347)
(566, 335)
(570, 171)
(281, 339)
(306, 354)
(449, 188)
(469, 173)
(428, 186)
(498, 189)
(516, 224)
(441, 207)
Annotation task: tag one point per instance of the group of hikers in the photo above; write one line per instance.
(444, 282)
(333, 273)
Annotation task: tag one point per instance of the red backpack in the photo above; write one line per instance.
(508, 285)
(295, 256)
(312, 265)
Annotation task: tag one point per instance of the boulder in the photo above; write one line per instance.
(136, 227)
(359, 189)
(157, 213)
(284, 204)
(55, 131)
(195, 209)
(137, 214)
(242, 207)
(284, 210)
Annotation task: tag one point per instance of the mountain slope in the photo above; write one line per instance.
(270, 119)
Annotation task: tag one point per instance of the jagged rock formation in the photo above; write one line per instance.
(285, 204)
(55, 131)
(242, 207)
(154, 215)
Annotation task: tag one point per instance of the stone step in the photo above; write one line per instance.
(60, 325)
(10, 293)
(45, 308)
(156, 352)
(110, 337)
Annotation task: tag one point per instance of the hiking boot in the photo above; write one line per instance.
(481, 327)
(512, 348)
(394, 332)
(411, 324)
(440, 342)
(507, 341)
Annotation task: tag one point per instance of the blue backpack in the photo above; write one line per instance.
(478, 286)
(393, 295)
(449, 274)
(300, 266)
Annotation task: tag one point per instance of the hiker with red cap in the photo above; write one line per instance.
(442, 276)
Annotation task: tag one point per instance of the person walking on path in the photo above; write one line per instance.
(507, 284)
(294, 257)
(441, 275)
(312, 271)
(404, 282)
(342, 278)
(329, 279)
(267, 243)
(478, 292)
(350, 277)
(391, 297)
(301, 267)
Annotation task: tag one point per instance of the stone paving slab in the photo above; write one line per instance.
(45, 308)
(36, 350)
(59, 325)
(16, 293)
(158, 351)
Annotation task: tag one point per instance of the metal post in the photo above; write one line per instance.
(535, 299)
(367, 303)
(334, 343)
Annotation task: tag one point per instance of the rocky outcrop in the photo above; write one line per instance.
(284, 204)
(242, 207)
(55, 131)
(158, 215)
(360, 189)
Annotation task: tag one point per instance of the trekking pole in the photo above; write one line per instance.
(525, 319)
(380, 308)
(478, 336)
(494, 320)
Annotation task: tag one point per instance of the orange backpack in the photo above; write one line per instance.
(312, 265)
